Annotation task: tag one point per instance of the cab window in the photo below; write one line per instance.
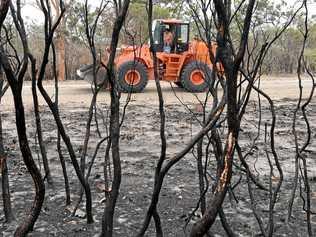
(184, 30)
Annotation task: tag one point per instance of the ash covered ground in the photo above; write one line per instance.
(140, 149)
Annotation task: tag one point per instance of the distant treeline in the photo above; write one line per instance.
(71, 45)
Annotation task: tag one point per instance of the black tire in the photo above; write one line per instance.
(134, 66)
(179, 84)
(196, 67)
(102, 78)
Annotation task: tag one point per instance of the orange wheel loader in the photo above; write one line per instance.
(185, 63)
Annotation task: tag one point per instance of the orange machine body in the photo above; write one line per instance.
(181, 61)
(198, 51)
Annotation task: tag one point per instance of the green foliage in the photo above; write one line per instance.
(311, 48)
(74, 25)
(269, 17)
(75, 22)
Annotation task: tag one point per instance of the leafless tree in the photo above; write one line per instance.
(301, 172)
(111, 193)
(97, 72)
(16, 85)
(221, 122)
(6, 197)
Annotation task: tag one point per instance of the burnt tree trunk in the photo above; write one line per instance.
(16, 88)
(153, 211)
(201, 175)
(49, 34)
(16, 84)
(107, 219)
(61, 54)
(60, 42)
(7, 208)
(231, 67)
(38, 123)
(60, 154)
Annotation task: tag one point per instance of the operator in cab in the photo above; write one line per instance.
(168, 41)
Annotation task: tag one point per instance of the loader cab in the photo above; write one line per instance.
(179, 30)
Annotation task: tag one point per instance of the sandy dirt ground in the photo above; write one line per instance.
(79, 92)
(140, 149)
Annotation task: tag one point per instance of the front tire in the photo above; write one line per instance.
(196, 76)
(132, 77)
(179, 84)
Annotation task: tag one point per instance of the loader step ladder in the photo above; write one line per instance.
(173, 67)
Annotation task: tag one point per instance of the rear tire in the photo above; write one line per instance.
(196, 77)
(132, 77)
